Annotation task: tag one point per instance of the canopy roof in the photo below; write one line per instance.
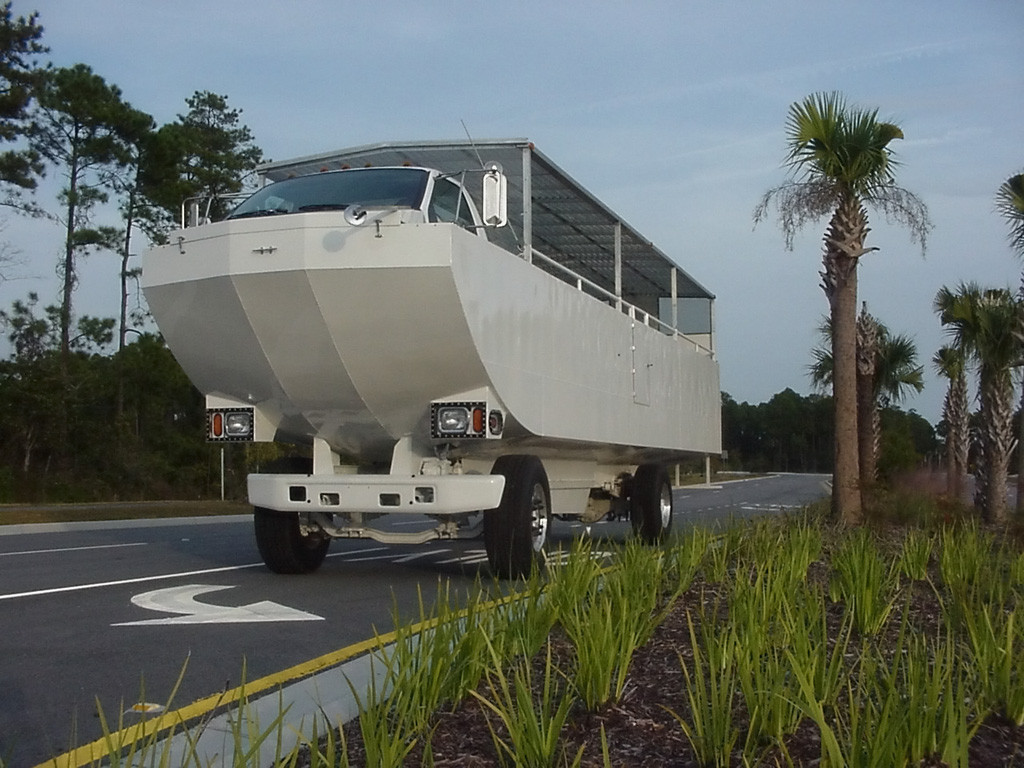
(564, 221)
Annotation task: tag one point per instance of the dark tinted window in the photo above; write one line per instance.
(447, 203)
(370, 187)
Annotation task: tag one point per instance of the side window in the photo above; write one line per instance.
(449, 204)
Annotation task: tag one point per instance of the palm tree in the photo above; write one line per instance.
(983, 323)
(841, 162)
(1010, 203)
(950, 364)
(887, 371)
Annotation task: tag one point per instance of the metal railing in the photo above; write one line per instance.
(634, 312)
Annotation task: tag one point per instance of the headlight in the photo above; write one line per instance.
(238, 424)
(453, 420)
(462, 419)
(230, 424)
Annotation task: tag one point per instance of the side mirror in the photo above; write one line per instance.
(495, 195)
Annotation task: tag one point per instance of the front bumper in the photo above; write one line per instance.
(417, 494)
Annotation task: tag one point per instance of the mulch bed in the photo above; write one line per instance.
(639, 729)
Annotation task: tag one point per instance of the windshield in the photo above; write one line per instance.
(336, 190)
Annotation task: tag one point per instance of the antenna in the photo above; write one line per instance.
(468, 136)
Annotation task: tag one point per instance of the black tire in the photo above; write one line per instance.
(650, 503)
(282, 545)
(516, 532)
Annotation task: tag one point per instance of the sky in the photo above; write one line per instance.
(672, 113)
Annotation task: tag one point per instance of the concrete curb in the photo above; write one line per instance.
(326, 697)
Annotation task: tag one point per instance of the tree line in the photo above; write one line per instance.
(794, 433)
(77, 420)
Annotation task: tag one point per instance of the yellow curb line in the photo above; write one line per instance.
(90, 754)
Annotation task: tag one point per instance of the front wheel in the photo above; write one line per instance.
(650, 508)
(283, 546)
(516, 532)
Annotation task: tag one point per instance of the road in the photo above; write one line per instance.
(112, 612)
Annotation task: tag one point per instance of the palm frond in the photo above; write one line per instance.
(836, 154)
(897, 372)
(949, 362)
(1010, 204)
(798, 203)
(982, 322)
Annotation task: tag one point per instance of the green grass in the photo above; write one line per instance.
(21, 514)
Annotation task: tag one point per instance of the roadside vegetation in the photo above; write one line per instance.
(129, 510)
(775, 642)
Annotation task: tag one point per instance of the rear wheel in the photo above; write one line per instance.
(283, 546)
(279, 538)
(516, 532)
(650, 508)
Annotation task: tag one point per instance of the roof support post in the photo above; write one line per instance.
(674, 280)
(711, 312)
(527, 204)
(618, 265)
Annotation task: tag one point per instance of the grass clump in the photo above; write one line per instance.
(863, 582)
(710, 691)
(530, 717)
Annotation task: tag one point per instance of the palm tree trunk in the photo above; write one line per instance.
(843, 247)
(866, 429)
(846, 479)
(996, 439)
(957, 439)
(1019, 510)
(867, 404)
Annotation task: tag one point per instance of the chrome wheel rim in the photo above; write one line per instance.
(539, 518)
(665, 507)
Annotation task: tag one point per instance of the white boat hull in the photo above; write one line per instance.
(347, 334)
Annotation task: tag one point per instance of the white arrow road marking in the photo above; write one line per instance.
(182, 601)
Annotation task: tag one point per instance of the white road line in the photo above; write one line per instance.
(416, 555)
(393, 556)
(469, 556)
(121, 582)
(358, 551)
(467, 560)
(388, 556)
(770, 507)
(72, 549)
